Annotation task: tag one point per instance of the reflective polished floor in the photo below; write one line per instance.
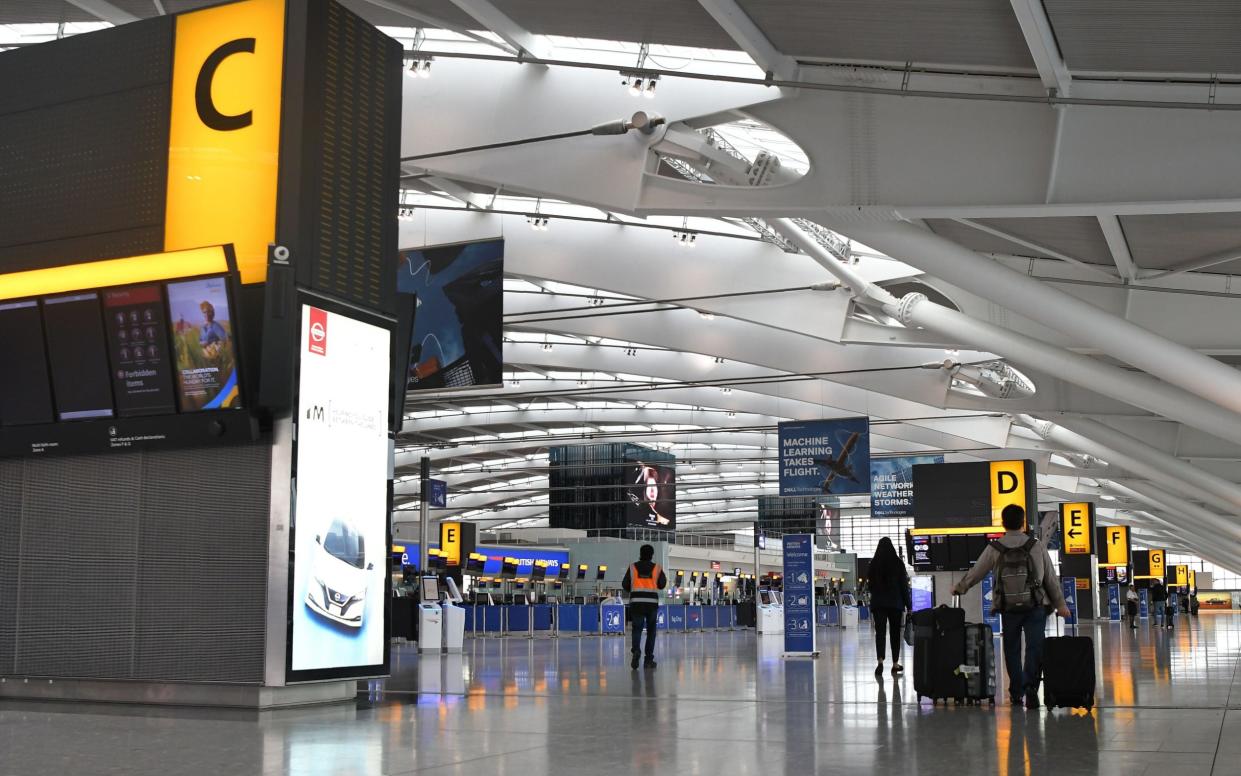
(719, 703)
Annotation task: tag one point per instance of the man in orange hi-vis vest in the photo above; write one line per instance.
(643, 581)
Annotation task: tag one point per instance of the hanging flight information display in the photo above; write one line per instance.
(108, 367)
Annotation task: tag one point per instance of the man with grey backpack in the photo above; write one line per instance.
(1026, 588)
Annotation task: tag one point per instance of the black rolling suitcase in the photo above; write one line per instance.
(952, 659)
(1068, 671)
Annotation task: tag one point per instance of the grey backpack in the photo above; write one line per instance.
(1017, 584)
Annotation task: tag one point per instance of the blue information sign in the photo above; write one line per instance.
(825, 457)
(437, 493)
(1113, 602)
(989, 615)
(1069, 585)
(799, 619)
(1144, 603)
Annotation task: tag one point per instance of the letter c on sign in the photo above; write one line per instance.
(202, 90)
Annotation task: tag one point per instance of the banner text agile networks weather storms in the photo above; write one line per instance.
(798, 454)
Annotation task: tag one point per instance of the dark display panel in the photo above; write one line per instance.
(947, 552)
(25, 392)
(652, 496)
(952, 495)
(138, 346)
(78, 356)
(590, 486)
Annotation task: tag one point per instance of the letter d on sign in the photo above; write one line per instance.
(1008, 486)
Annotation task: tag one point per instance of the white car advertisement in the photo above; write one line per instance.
(340, 504)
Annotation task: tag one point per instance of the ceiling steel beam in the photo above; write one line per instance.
(1036, 28)
(438, 23)
(512, 33)
(753, 41)
(105, 11)
(1119, 246)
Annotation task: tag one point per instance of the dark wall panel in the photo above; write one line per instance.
(135, 566)
(84, 123)
(350, 176)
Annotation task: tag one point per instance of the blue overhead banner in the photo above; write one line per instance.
(825, 457)
(799, 619)
(892, 484)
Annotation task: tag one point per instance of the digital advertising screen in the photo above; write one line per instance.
(201, 324)
(25, 393)
(651, 493)
(892, 484)
(75, 344)
(341, 498)
(458, 314)
(137, 344)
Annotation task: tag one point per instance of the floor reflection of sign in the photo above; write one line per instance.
(1113, 603)
(1070, 599)
(799, 617)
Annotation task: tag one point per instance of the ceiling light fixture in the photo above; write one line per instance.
(649, 91)
(537, 223)
(706, 316)
(420, 66)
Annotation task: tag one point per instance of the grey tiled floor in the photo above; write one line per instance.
(720, 703)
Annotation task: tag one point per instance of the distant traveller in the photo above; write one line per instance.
(890, 598)
(643, 581)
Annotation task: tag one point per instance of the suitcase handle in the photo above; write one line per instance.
(956, 601)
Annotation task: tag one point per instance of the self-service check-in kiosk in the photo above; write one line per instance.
(430, 617)
(770, 618)
(453, 622)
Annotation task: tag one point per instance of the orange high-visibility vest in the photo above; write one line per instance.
(644, 589)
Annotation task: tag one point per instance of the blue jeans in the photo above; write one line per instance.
(1161, 612)
(1024, 680)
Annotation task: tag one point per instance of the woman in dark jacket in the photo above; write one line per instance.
(889, 600)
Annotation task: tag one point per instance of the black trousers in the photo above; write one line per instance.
(890, 620)
(643, 616)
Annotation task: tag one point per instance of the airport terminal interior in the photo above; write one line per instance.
(374, 372)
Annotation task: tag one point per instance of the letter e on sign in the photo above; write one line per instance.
(316, 333)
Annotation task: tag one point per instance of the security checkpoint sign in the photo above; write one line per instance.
(1077, 528)
(799, 621)
(1113, 602)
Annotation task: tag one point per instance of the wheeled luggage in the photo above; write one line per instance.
(979, 665)
(952, 659)
(1068, 671)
